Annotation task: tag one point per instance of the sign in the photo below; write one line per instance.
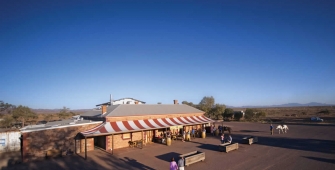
(2, 142)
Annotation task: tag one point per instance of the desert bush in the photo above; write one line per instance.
(325, 111)
(238, 116)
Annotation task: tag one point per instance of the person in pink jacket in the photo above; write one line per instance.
(173, 165)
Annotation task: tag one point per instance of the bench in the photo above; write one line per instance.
(250, 140)
(226, 147)
(53, 153)
(193, 157)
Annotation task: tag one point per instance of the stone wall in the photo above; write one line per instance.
(36, 143)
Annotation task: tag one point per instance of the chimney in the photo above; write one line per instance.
(136, 102)
(103, 109)
(175, 101)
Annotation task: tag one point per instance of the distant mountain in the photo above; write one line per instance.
(58, 110)
(292, 105)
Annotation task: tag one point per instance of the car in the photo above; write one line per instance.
(316, 119)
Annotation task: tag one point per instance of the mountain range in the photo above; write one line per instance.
(289, 105)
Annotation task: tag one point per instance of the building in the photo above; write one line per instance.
(126, 100)
(110, 128)
(124, 123)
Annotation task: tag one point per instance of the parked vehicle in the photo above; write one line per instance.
(316, 119)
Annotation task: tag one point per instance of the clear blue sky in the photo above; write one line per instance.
(74, 54)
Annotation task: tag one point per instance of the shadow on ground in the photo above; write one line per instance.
(314, 145)
(168, 156)
(321, 159)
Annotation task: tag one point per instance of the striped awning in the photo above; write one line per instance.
(146, 124)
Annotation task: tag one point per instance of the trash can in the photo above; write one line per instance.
(168, 141)
(188, 137)
(203, 135)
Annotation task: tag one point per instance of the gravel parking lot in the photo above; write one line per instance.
(305, 146)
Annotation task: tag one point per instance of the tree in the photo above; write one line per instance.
(48, 117)
(188, 103)
(63, 114)
(7, 121)
(218, 111)
(228, 113)
(238, 116)
(6, 107)
(260, 114)
(249, 114)
(206, 104)
(23, 114)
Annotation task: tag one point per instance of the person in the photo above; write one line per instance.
(181, 163)
(193, 133)
(214, 129)
(184, 135)
(173, 165)
(230, 139)
(222, 138)
(271, 129)
(220, 129)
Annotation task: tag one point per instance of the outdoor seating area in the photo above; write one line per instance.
(136, 143)
(193, 157)
(227, 147)
(250, 140)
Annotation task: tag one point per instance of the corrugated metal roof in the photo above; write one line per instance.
(92, 113)
(157, 109)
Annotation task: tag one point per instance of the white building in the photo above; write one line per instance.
(127, 100)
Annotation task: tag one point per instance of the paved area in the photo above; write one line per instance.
(303, 147)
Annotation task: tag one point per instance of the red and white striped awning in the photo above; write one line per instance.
(146, 124)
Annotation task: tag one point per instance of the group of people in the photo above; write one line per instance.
(177, 166)
(229, 139)
(220, 129)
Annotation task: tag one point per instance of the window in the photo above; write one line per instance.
(126, 136)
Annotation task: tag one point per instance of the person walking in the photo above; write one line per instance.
(181, 163)
(271, 129)
(173, 165)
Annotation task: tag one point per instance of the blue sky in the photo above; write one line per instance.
(74, 54)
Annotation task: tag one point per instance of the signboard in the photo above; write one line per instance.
(2, 142)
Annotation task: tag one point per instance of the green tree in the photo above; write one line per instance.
(249, 114)
(24, 114)
(217, 111)
(188, 103)
(228, 113)
(238, 116)
(206, 105)
(260, 114)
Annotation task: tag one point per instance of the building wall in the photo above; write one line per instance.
(113, 119)
(10, 141)
(124, 101)
(36, 143)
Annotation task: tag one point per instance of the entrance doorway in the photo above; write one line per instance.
(100, 142)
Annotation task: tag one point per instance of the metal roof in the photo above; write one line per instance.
(157, 109)
(141, 109)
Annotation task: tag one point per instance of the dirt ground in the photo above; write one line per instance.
(305, 146)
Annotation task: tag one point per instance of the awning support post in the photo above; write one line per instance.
(85, 148)
(75, 146)
(112, 144)
(142, 140)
